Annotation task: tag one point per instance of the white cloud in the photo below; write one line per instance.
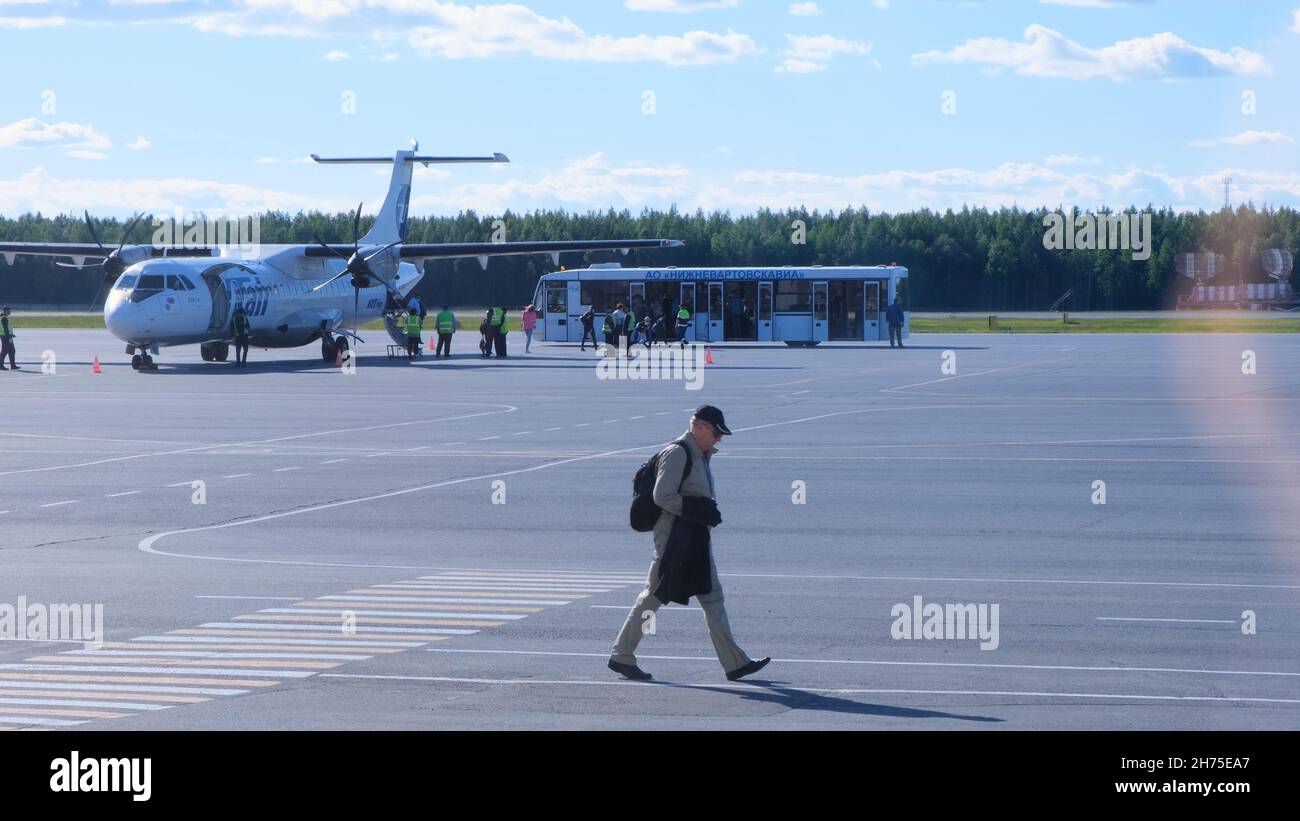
(681, 6)
(336, 55)
(1069, 159)
(452, 30)
(34, 132)
(83, 154)
(31, 22)
(1047, 53)
(1295, 24)
(880, 4)
(806, 55)
(805, 9)
(139, 144)
(1247, 138)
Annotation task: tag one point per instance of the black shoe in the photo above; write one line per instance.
(629, 671)
(752, 667)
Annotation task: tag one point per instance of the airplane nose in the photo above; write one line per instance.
(122, 316)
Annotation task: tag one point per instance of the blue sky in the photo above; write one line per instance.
(212, 105)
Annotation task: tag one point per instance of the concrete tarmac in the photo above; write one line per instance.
(444, 544)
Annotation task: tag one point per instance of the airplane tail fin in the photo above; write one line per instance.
(390, 225)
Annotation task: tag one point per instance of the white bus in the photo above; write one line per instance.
(798, 306)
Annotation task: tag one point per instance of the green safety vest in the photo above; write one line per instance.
(241, 324)
(413, 325)
(446, 322)
(683, 315)
(5, 328)
(498, 318)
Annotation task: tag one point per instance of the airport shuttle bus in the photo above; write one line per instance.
(798, 306)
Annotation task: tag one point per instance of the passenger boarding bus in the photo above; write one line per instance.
(798, 306)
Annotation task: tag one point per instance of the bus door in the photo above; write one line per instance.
(715, 312)
(555, 312)
(819, 311)
(688, 302)
(576, 312)
(872, 317)
(764, 312)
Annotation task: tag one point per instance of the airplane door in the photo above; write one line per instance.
(819, 312)
(715, 312)
(764, 312)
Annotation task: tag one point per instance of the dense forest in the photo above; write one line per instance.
(973, 259)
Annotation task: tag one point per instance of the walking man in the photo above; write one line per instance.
(894, 316)
(7, 341)
(446, 321)
(413, 341)
(684, 490)
(588, 328)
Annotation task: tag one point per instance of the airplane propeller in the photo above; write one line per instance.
(358, 266)
(113, 264)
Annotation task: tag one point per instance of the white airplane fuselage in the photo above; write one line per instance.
(188, 300)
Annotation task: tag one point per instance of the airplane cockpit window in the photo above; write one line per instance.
(149, 285)
(189, 285)
(176, 282)
(127, 282)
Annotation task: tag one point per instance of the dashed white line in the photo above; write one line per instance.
(582, 425)
(522, 433)
(182, 484)
(611, 421)
(1182, 621)
(60, 504)
(375, 455)
(452, 444)
(237, 476)
(285, 470)
(488, 438)
(127, 493)
(633, 418)
(663, 413)
(258, 598)
(550, 430)
(333, 461)
(421, 447)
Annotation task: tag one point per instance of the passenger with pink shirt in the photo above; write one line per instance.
(530, 322)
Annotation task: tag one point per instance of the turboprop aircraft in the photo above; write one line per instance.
(169, 294)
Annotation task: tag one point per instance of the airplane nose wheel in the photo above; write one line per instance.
(143, 363)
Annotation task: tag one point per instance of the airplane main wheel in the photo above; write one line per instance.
(146, 363)
(221, 352)
(205, 353)
(137, 361)
(341, 347)
(328, 353)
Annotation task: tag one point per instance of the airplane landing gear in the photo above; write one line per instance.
(143, 363)
(214, 351)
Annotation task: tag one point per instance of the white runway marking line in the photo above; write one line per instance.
(253, 639)
(508, 409)
(375, 455)
(663, 413)
(1181, 621)
(159, 670)
(407, 614)
(869, 663)
(147, 689)
(285, 470)
(488, 438)
(452, 444)
(183, 484)
(332, 462)
(582, 425)
(39, 722)
(551, 430)
(421, 447)
(441, 600)
(626, 607)
(237, 476)
(325, 628)
(634, 418)
(256, 598)
(70, 702)
(522, 433)
(976, 373)
(826, 690)
(218, 654)
(61, 504)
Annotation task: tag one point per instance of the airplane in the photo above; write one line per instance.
(167, 295)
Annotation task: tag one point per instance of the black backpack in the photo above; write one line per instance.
(645, 513)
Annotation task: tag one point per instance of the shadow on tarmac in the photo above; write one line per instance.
(795, 699)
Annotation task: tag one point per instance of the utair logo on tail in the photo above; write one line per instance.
(165, 295)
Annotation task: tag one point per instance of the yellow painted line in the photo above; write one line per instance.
(174, 662)
(257, 648)
(103, 695)
(230, 682)
(377, 620)
(461, 594)
(383, 605)
(46, 711)
(271, 634)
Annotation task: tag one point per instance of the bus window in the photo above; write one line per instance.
(603, 296)
(715, 304)
(873, 300)
(557, 298)
(793, 297)
(900, 289)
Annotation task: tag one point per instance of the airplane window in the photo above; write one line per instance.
(148, 285)
(127, 282)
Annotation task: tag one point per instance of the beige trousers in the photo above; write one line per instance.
(715, 616)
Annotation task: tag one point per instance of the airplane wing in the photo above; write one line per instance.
(455, 250)
(86, 250)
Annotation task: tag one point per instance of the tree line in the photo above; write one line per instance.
(972, 259)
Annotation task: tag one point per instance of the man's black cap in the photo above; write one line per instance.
(713, 416)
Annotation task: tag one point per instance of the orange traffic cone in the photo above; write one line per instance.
(431, 347)
(95, 368)
(708, 356)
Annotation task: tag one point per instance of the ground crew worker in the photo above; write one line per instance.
(683, 323)
(413, 341)
(683, 494)
(7, 341)
(497, 320)
(446, 322)
(894, 316)
(242, 327)
(607, 329)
